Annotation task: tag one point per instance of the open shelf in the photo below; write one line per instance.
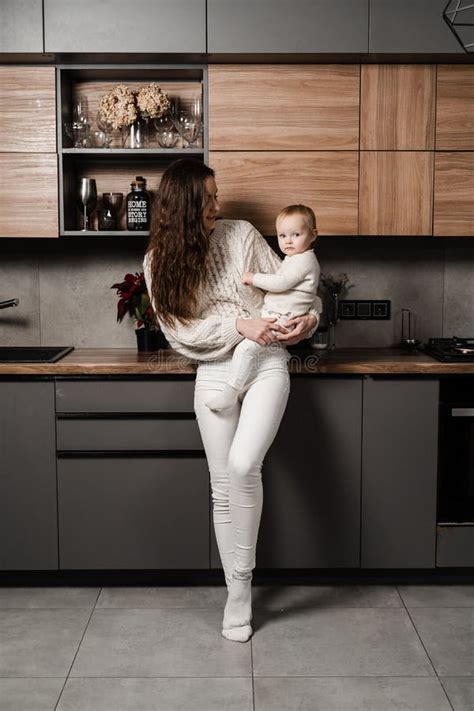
(114, 168)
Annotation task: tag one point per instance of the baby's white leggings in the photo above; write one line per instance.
(247, 352)
(236, 442)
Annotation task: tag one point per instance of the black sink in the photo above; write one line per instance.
(33, 354)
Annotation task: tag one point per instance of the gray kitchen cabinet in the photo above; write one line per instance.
(21, 26)
(287, 26)
(133, 513)
(399, 472)
(28, 512)
(311, 479)
(130, 465)
(175, 26)
(411, 26)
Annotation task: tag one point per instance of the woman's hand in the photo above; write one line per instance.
(259, 329)
(247, 278)
(303, 325)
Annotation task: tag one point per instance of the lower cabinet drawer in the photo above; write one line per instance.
(120, 513)
(124, 434)
(125, 396)
(455, 546)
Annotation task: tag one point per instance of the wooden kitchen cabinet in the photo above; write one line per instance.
(397, 107)
(29, 195)
(256, 185)
(453, 198)
(455, 108)
(285, 26)
(396, 193)
(21, 26)
(28, 511)
(283, 107)
(28, 159)
(150, 26)
(311, 479)
(27, 109)
(399, 472)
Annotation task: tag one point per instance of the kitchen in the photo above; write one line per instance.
(364, 111)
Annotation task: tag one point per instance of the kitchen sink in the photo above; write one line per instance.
(33, 354)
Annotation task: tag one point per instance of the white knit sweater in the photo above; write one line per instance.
(235, 246)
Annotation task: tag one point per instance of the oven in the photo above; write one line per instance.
(455, 504)
(456, 451)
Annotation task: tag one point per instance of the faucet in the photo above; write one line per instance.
(9, 302)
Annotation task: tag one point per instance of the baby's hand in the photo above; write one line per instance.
(247, 278)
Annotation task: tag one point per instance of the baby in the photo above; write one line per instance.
(291, 292)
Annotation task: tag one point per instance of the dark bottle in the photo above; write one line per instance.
(138, 206)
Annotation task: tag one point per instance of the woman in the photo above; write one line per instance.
(193, 269)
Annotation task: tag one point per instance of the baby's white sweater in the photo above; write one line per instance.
(293, 287)
(235, 246)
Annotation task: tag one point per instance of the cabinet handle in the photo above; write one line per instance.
(462, 412)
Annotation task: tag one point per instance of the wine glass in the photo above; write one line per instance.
(106, 127)
(86, 199)
(80, 117)
(188, 127)
(165, 131)
(77, 132)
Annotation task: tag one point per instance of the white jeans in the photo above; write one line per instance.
(247, 351)
(236, 442)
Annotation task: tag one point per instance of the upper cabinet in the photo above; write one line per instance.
(124, 26)
(286, 26)
(28, 159)
(21, 26)
(283, 107)
(27, 109)
(455, 108)
(412, 26)
(397, 107)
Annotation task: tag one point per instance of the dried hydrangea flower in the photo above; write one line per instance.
(151, 101)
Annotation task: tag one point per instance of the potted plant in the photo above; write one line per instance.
(135, 300)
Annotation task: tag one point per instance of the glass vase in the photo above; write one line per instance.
(135, 135)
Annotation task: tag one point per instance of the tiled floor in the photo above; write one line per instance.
(333, 648)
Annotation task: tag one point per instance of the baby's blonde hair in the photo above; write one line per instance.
(303, 210)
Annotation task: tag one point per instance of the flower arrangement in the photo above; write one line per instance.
(135, 301)
(335, 284)
(122, 106)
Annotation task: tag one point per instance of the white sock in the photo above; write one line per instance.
(223, 400)
(238, 611)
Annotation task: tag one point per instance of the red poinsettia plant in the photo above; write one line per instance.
(135, 300)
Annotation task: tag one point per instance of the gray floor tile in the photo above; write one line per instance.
(39, 642)
(169, 694)
(166, 597)
(448, 636)
(132, 643)
(350, 694)
(56, 597)
(29, 694)
(437, 595)
(295, 597)
(338, 642)
(460, 691)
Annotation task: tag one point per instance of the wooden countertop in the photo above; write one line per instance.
(127, 361)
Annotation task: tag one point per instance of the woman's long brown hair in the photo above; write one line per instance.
(180, 245)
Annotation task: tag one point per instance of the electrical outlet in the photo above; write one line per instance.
(364, 310)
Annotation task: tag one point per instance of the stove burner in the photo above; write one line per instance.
(451, 349)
